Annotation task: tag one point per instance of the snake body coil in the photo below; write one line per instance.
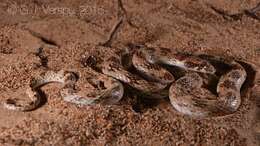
(187, 94)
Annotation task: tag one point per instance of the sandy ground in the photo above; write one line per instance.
(66, 29)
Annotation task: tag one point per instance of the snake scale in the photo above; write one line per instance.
(187, 94)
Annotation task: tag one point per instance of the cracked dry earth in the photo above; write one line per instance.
(36, 38)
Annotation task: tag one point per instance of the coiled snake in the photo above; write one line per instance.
(187, 94)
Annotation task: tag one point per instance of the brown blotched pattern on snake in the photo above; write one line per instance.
(187, 94)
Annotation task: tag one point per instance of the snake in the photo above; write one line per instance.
(32, 91)
(145, 71)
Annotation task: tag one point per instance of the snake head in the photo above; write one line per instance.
(208, 68)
